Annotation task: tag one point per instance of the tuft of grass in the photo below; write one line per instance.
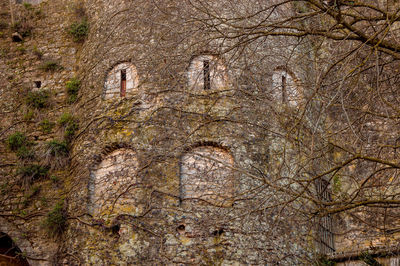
(16, 141)
(65, 119)
(70, 125)
(38, 99)
(50, 66)
(46, 126)
(28, 115)
(73, 86)
(79, 30)
(32, 172)
(57, 148)
(25, 153)
(56, 220)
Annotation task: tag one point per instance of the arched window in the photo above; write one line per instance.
(206, 72)
(115, 187)
(286, 89)
(10, 254)
(121, 81)
(206, 174)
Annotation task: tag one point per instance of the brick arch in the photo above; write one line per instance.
(207, 72)
(286, 87)
(206, 174)
(121, 80)
(115, 187)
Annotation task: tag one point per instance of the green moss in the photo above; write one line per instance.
(38, 99)
(16, 141)
(73, 86)
(56, 220)
(46, 126)
(79, 30)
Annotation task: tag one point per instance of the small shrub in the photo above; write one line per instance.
(70, 125)
(56, 220)
(25, 153)
(65, 119)
(73, 86)
(16, 141)
(79, 30)
(38, 99)
(46, 126)
(50, 66)
(57, 148)
(32, 172)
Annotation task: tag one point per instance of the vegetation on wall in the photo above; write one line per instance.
(73, 86)
(31, 172)
(79, 30)
(38, 99)
(56, 220)
(46, 126)
(70, 125)
(50, 66)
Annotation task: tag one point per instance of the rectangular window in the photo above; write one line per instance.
(123, 83)
(325, 239)
(206, 74)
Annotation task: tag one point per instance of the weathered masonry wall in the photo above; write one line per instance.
(177, 157)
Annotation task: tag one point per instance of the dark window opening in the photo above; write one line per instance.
(218, 232)
(123, 83)
(38, 84)
(181, 229)
(206, 74)
(10, 254)
(284, 94)
(115, 229)
(18, 1)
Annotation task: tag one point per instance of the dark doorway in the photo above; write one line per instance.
(10, 254)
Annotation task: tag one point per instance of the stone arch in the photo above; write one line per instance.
(286, 88)
(207, 72)
(115, 187)
(121, 81)
(206, 174)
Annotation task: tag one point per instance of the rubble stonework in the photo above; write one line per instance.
(192, 164)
